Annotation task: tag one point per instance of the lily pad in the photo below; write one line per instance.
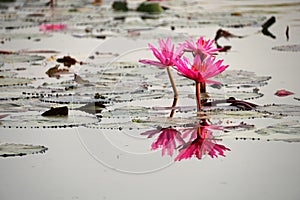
(33, 119)
(242, 79)
(289, 48)
(4, 82)
(150, 7)
(281, 109)
(10, 149)
(19, 58)
(289, 128)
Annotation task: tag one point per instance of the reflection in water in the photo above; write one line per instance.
(197, 140)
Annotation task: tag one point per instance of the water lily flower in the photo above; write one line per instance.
(166, 56)
(168, 140)
(200, 71)
(52, 27)
(283, 93)
(202, 47)
(201, 143)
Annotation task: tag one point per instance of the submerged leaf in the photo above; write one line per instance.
(7, 150)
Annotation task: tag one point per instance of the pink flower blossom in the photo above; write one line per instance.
(201, 144)
(166, 140)
(53, 27)
(202, 47)
(166, 55)
(283, 93)
(200, 71)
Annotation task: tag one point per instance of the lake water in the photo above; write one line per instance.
(100, 153)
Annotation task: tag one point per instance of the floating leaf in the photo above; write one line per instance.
(281, 109)
(242, 78)
(33, 119)
(120, 6)
(4, 82)
(8, 149)
(150, 7)
(292, 48)
(289, 127)
(19, 58)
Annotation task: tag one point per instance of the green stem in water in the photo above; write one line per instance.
(174, 91)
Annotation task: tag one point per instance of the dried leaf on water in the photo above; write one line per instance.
(56, 71)
(59, 111)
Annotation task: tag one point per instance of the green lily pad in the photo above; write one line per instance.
(289, 128)
(19, 58)
(33, 119)
(4, 82)
(281, 109)
(242, 79)
(120, 6)
(9, 149)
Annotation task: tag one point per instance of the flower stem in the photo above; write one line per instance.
(174, 91)
(173, 105)
(203, 87)
(198, 96)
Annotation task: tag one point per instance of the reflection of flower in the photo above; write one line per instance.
(202, 47)
(200, 70)
(166, 55)
(201, 143)
(166, 139)
(195, 141)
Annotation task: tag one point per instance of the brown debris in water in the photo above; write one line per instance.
(265, 27)
(223, 33)
(59, 111)
(68, 61)
(55, 71)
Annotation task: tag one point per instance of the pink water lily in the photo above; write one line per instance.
(53, 27)
(283, 93)
(166, 55)
(201, 143)
(202, 47)
(200, 71)
(168, 140)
